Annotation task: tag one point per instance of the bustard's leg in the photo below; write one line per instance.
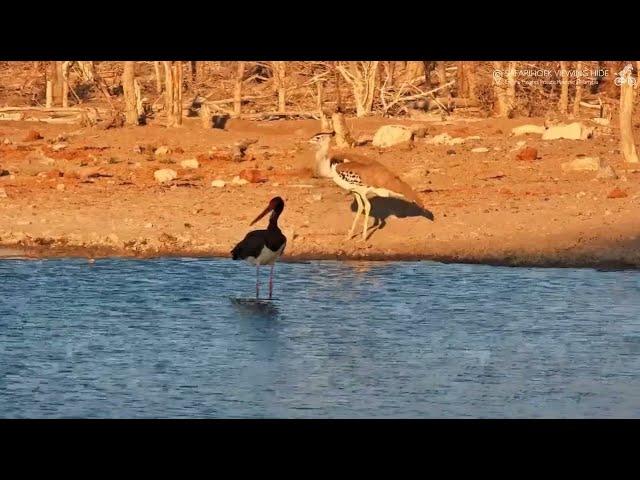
(271, 280)
(355, 220)
(257, 281)
(367, 209)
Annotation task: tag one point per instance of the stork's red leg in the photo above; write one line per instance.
(271, 280)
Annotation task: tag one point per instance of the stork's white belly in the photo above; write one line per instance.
(266, 257)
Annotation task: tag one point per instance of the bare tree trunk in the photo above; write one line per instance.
(128, 85)
(564, 88)
(36, 67)
(337, 84)
(54, 75)
(88, 71)
(504, 88)
(168, 92)
(205, 116)
(626, 115)
(279, 71)
(177, 93)
(343, 136)
(194, 66)
(65, 84)
(362, 77)
(49, 98)
(414, 69)
(237, 91)
(428, 66)
(441, 71)
(578, 95)
(156, 67)
(325, 123)
(200, 72)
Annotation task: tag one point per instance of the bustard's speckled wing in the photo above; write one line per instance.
(375, 175)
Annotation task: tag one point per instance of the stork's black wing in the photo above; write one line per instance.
(250, 246)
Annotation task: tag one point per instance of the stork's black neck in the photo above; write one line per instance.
(273, 220)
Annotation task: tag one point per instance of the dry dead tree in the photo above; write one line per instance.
(128, 84)
(504, 88)
(237, 90)
(156, 68)
(563, 104)
(173, 92)
(362, 78)
(441, 71)
(578, 95)
(343, 135)
(279, 77)
(628, 147)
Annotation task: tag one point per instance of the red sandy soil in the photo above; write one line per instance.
(487, 207)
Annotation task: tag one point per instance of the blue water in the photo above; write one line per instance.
(174, 338)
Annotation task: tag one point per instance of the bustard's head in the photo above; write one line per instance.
(322, 138)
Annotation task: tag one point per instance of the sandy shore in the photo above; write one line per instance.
(96, 196)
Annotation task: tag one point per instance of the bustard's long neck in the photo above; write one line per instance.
(323, 150)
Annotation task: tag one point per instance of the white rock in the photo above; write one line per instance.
(58, 146)
(60, 187)
(572, 131)
(480, 150)
(3, 193)
(165, 175)
(390, 135)
(445, 139)
(163, 150)
(582, 163)
(317, 197)
(239, 181)
(524, 129)
(7, 141)
(190, 164)
(607, 173)
(218, 183)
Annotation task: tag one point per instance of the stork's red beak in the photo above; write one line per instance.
(266, 210)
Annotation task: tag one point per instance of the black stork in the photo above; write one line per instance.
(263, 247)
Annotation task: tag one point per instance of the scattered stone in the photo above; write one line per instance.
(3, 193)
(54, 174)
(218, 183)
(390, 135)
(239, 181)
(32, 136)
(60, 187)
(451, 151)
(583, 163)
(148, 225)
(59, 146)
(4, 173)
(165, 175)
(163, 150)
(445, 139)
(524, 129)
(606, 173)
(7, 141)
(572, 131)
(581, 194)
(617, 193)
(480, 150)
(252, 176)
(527, 154)
(190, 164)
(317, 197)
(607, 213)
